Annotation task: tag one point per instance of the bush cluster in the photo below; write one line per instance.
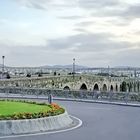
(55, 110)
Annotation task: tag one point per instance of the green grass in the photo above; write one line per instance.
(12, 107)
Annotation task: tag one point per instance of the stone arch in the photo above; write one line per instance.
(66, 88)
(83, 87)
(111, 88)
(124, 86)
(96, 87)
(104, 88)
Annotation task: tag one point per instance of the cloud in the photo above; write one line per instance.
(86, 4)
(108, 5)
(96, 49)
(47, 4)
(133, 11)
(86, 42)
(85, 23)
(71, 17)
(80, 30)
(127, 58)
(97, 3)
(94, 7)
(123, 11)
(97, 32)
(41, 4)
(88, 49)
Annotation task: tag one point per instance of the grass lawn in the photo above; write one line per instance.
(11, 107)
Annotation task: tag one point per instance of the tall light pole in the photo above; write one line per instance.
(108, 72)
(109, 78)
(73, 67)
(3, 66)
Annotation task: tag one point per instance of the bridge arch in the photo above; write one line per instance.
(66, 88)
(123, 87)
(104, 88)
(96, 87)
(111, 88)
(83, 87)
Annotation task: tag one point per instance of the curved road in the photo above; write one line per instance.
(100, 122)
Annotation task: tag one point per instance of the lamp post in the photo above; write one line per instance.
(73, 68)
(108, 72)
(3, 66)
(109, 82)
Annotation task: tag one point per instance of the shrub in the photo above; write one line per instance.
(55, 106)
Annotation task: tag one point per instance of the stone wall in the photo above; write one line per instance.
(76, 94)
(61, 82)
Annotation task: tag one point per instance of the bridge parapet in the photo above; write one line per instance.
(79, 82)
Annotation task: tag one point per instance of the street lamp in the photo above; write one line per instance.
(108, 72)
(3, 66)
(109, 79)
(73, 67)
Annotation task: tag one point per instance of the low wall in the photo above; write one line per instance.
(11, 127)
(109, 96)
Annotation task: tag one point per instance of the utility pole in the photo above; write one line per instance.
(108, 72)
(73, 71)
(109, 80)
(3, 66)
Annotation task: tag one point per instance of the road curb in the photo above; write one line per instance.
(79, 124)
(16, 127)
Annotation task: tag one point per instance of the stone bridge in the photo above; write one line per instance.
(78, 82)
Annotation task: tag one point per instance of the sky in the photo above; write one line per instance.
(97, 33)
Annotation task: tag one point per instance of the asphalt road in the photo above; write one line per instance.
(100, 122)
